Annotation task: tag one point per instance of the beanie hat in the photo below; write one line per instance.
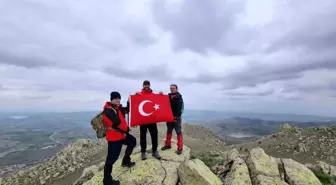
(146, 82)
(115, 95)
(174, 85)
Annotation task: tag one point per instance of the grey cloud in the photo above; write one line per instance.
(36, 97)
(159, 72)
(256, 72)
(200, 25)
(311, 88)
(66, 35)
(27, 61)
(263, 93)
(2, 87)
(311, 26)
(139, 33)
(299, 39)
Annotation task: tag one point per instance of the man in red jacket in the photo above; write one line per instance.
(151, 127)
(117, 135)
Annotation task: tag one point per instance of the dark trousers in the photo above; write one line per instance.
(113, 152)
(174, 126)
(153, 131)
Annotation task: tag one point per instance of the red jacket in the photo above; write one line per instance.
(143, 91)
(118, 123)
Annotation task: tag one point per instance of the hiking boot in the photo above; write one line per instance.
(179, 151)
(143, 156)
(156, 155)
(129, 164)
(115, 182)
(111, 182)
(166, 148)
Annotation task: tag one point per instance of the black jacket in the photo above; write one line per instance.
(176, 102)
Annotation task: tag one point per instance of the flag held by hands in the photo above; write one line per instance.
(151, 108)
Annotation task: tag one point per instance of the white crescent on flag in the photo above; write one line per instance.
(141, 111)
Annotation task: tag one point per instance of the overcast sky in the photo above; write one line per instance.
(245, 55)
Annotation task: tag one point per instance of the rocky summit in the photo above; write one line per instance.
(305, 145)
(253, 165)
(171, 170)
(66, 161)
(258, 168)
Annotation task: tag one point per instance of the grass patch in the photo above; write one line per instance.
(210, 159)
(324, 178)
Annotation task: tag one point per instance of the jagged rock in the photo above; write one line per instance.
(66, 161)
(87, 174)
(195, 172)
(238, 174)
(263, 169)
(101, 166)
(298, 174)
(326, 168)
(301, 147)
(149, 172)
(232, 155)
(285, 127)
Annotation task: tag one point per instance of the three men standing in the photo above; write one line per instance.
(118, 131)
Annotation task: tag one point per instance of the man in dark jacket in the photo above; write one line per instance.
(151, 127)
(177, 106)
(116, 136)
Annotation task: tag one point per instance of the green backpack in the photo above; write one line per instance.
(98, 124)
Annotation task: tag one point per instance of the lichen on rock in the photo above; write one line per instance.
(150, 171)
(195, 172)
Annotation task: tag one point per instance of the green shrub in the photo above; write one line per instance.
(210, 159)
(324, 178)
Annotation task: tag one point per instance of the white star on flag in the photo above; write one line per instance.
(156, 107)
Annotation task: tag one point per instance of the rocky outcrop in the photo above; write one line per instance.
(298, 174)
(258, 168)
(150, 171)
(238, 174)
(323, 167)
(171, 170)
(263, 169)
(65, 162)
(195, 172)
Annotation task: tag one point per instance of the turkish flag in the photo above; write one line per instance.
(149, 108)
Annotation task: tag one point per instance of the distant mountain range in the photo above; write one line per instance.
(239, 129)
(207, 116)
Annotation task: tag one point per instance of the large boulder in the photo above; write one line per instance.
(326, 168)
(298, 174)
(87, 174)
(149, 172)
(238, 174)
(263, 169)
(195, 172)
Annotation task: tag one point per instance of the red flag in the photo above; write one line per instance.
(149, 108)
